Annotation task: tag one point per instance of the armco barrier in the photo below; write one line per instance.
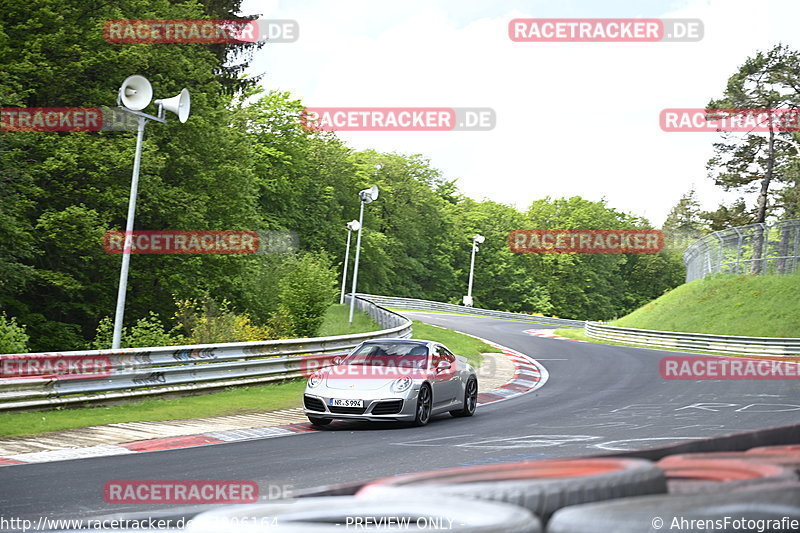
(725, 344)
(696, 341)
(427, 305)
(134, 372)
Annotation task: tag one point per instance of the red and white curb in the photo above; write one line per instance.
(548, 334)
(529, 375)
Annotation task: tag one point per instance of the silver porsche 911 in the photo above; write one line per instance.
(392, 379)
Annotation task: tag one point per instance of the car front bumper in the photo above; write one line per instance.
(398, 407)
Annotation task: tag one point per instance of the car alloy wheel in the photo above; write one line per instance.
(424, 406)
(470, 399)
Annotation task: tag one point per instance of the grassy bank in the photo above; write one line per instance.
(755, 306)
(752, 306)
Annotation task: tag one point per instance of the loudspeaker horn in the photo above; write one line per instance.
(369, 195)
(135, 93)
(179, 104)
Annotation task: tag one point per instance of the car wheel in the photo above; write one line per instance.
(470, 399)
(319, 421)
(424, 405)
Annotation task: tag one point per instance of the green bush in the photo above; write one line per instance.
(148, 331)
(305, 292)
(206, 321)
(13, 338)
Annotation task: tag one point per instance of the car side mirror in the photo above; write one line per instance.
(443, 365)
(337, 361)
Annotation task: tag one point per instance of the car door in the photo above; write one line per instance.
(445, 376)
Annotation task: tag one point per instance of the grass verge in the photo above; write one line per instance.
(579, 334)
(336, 322)
(519, 320)
(460, 344)
(236, 401)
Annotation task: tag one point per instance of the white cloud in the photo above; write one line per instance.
(573, 118)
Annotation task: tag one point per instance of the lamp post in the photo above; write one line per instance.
(476, 240)
(133, 96)
(367, 196)
(353, 225)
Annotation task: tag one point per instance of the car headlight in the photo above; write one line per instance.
(402, 384)
(314, 380)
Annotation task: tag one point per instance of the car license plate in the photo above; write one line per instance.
(335, 402)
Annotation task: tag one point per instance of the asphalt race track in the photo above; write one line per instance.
(598, 399)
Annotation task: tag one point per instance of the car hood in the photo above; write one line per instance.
(355, 377)
(342, 383)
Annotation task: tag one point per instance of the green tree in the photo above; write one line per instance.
(194, 176)
(769, 80)
(13, 338)
(306, 290)
(684, 223)
(728, 216)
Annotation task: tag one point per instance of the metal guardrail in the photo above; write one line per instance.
(724, 344)
(134, 372)
(727, 344)
(427, 305)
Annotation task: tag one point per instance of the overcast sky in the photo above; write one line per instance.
(572, 118)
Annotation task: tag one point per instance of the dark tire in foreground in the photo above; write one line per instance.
(470, 399)
(729, 511)
(714, 472)
(540, 486)
(345, 513)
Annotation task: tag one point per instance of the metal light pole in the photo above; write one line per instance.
(476, 240)
(353, 225)
(134, 95)
(367, 196)
(126, 250)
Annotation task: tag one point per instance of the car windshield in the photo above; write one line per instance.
(399, 354)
